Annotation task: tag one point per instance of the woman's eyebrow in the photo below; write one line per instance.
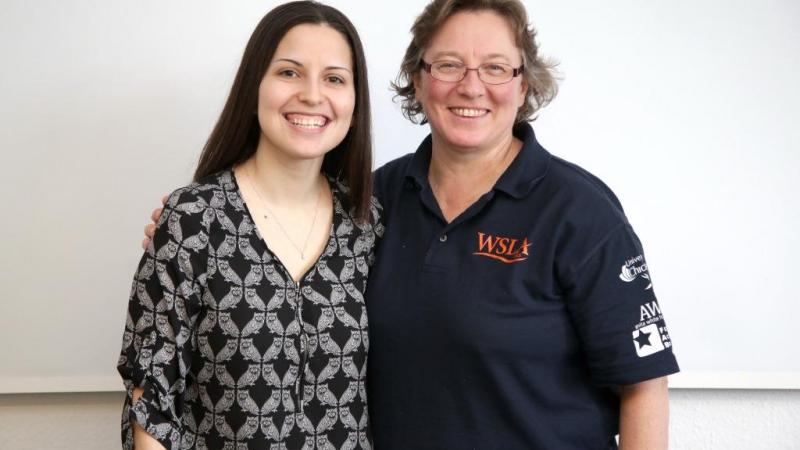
(299, 64)
(498, 55)
(338, 68)
(446, 53)
(296, 63)
(458, 56)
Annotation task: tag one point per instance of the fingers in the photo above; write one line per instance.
(149, 230)
(156, 214)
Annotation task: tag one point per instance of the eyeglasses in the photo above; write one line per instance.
(454, 71)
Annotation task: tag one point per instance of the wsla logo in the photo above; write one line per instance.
(503, 249)
(634, 268)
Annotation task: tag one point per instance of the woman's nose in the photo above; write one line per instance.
(311, 92)
(471, 85)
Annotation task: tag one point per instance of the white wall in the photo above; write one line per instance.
(688, 110)
(734, 419)
(105, 105)
(701, 420)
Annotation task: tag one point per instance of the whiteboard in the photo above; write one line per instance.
(688, 110)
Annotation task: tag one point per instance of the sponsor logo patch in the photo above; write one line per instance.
(650, 335)
(634, 268)
(504, 249)
(647, 340)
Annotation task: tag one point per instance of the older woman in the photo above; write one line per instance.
(510, 306)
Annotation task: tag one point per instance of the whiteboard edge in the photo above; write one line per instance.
(735, 380)
(684, 380)
(56, 385)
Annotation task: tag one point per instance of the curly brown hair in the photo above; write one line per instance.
(539, 73)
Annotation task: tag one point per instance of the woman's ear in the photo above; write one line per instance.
(416, 81)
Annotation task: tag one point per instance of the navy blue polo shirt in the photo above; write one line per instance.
(512, 326)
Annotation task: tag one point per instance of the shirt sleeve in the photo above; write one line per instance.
(163, 306)
(377, 228)
(617, 315)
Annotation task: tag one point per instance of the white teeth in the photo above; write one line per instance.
(307, 122)
(468, 112)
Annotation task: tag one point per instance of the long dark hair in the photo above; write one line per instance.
(236, 134)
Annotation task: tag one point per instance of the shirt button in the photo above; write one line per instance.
(443, 238)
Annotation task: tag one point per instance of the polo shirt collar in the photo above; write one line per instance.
(528, 167)
(417, 172)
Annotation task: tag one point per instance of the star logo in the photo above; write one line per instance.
(643, 339)
(647, 340)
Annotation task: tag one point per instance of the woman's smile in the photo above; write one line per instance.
(307, 122)
(469, 112)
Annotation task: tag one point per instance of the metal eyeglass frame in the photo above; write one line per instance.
(515, 72)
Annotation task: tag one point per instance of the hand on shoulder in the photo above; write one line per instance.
(150, 228)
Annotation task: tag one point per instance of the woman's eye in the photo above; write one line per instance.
(496, 69)
(448, 67)
(288, 73)
(336, 79)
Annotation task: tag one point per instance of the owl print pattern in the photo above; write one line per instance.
(230, 351)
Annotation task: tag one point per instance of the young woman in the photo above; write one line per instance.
(246, 325)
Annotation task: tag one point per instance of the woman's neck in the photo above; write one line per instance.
(284, 181)
(469, 173)
(459, 177)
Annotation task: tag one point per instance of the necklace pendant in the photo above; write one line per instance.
(300, 250)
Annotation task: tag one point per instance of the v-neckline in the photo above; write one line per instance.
(273, 255)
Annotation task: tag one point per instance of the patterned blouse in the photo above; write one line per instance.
(230, 351)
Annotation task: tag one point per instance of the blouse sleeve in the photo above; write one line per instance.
(619, 320)
(163, 306)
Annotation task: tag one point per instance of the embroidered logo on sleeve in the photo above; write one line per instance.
(634, 268)
(504, 249)
(650, 335)
(647, 340)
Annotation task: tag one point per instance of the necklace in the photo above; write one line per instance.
(300, 250)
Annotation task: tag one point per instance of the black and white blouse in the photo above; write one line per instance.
(230, 351)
